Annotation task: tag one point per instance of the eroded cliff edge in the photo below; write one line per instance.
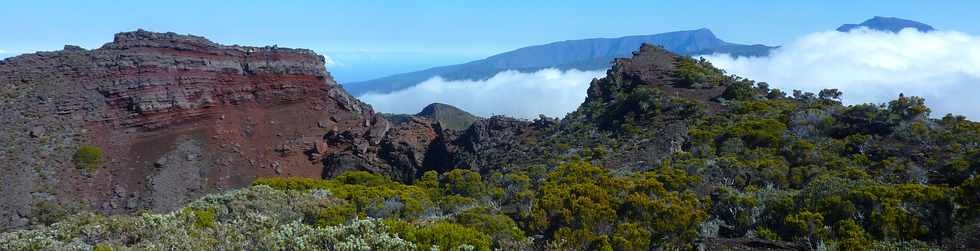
(175, 116)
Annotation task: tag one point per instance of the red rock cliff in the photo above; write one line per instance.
(177, 116)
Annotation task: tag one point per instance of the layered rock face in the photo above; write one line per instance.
(176, 116)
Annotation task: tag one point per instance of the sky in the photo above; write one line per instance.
(367, 39)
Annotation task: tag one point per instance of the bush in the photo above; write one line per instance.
(48, 212)
(88, 158)
(445, 235)
(253, 218)
(759, 133)
(741, 90)
(103, 247)
(335, 215)
(697, 73)
(767, 234)
(851, 237)
(498, 226)
(204, 218)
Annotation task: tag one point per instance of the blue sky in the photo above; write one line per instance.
(374, 38)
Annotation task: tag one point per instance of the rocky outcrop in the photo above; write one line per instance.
(176, 116)
(448, 116)
(650, 66)
(633, 118)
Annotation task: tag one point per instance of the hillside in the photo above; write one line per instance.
(666, 153)
(584, 54)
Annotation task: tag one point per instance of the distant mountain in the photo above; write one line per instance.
(892, 24)
(448, 116)
(584, 54)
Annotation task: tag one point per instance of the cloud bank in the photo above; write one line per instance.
(329, 61)
(873, 66)
(525, 95)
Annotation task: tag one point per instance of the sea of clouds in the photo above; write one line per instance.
(550, 92)
(875, 67)
(868, 66)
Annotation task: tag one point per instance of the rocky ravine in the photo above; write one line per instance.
(178, 116)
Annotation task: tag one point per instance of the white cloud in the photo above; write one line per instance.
(329, 61)
(871, 66)
(525, 95)
(2, 51)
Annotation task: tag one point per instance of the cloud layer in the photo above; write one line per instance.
(872, 66)
(868, 66)
(525, 95)
(329, 61)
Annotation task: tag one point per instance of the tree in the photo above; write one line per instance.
(809, 226)
(830, 94)
(740, 90)
(906, 108)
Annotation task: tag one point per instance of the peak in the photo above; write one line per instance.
(437, 106)
(704, 31)
(449, 116)
(890, 24)
(437, 109)
(648, 50)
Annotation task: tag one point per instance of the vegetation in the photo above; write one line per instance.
(254, 218)
(88, 158)
(698, 73)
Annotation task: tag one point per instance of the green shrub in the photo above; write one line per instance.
(88, 158)
(362, 178)
(741, 90)
(463, 182)
(759, 133)
(369, 194)
(851, 237)
(445, 235)
(697, 73)
(767, 234)
(48, 212)
(103, 247)
(808, 225)
(204, 218)
(292, 183)
(335, 215)
(499, 227)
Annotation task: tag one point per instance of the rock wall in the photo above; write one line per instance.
(177, 116)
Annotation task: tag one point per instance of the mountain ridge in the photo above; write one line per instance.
(581, 54)
(890, 24)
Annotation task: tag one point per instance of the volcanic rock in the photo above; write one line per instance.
(149, 101)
